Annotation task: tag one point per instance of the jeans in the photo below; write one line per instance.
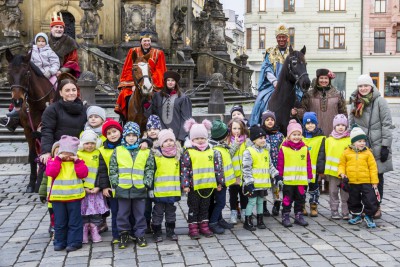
(68, 225)
(219, 204)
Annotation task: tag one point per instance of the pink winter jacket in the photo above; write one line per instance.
(294, 146)
(54, 166)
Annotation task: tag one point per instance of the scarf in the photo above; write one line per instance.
(96, 130)
(132, 147)
(72, 107)
(337, 135)
(171, 92)
(272, 130)
(360, 103)
(111, 145)
(200, 147)
(169, 151)
(323, 89)
(242, 138)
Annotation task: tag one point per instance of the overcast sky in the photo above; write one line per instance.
(237, 5)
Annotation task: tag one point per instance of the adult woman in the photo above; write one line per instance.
(171, 105)
(323, 99)
(371, 112)
(65, 116)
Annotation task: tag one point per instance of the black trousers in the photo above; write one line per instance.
(362, 198)
(198, 205)
(296, 194)
(380, 186)
(234, 191)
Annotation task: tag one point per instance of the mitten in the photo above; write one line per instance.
(384, 153)
(344, 184)
(278, 179)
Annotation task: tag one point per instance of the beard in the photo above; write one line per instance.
(57, 34)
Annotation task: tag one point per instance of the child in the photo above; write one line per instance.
(314, 139)
(93, 205)
(201, 174)
(167, 153)
(237, 112)
(131, 173)
(335, 144)
(257, 170)
(45, 58)
(219, 133)
(294, 164)
(358, 168)
(66, 193)
(96, 116)
(274, 139)
(237, 139)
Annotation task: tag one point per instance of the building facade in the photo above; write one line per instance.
(234, 31)
(381, 46)
(330, 30)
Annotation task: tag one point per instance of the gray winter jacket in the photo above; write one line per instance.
(376, 122)
(45, 59)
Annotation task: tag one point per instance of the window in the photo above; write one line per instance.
(324, 38)
(261, 42)
(340, 82)
(398, 42)
(340, 5)
(379, 41)
(263, 5)
(248, 38)
(380, 6)
(339, 38)
(291, 37)
(324, 5)
(248, 6)
(391, 84)
(288, 5)
(375, 78)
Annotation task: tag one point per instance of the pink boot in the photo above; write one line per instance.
(85, 238)
(205, 230)
(94, 232)
(194, 231)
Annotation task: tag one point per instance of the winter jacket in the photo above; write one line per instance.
(62, 118)
(359, 166)
(376, 122)
(294, 146)
(274, 140)
(320, 166)
(46, 60)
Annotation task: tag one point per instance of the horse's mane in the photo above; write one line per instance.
(20, 59)
(35, 69)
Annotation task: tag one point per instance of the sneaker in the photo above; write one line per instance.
(115, 240)
(356, 220)
(123, 240)
(58, 248)
(216, 228)
(370, 222)
(234, 215)
(72, 248)
(346, 216)
(224, 224)
(141, 241)
(336, 215)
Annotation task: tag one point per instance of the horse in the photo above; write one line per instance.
(143, 90)
(293, 74)
(30, 90)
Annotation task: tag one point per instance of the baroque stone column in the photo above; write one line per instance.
(10, 18)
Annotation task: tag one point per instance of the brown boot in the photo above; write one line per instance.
(314, 210)
(378, 213)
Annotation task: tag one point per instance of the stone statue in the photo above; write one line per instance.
(10, 16)
(203, 29)
(91, 20)
(178, 26)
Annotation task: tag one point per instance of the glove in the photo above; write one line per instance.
(344, 184)
(43, 199)
(248, 190)
(384, 153)
(278, 179)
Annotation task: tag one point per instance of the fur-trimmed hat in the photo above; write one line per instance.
(325, 72)
(68, 144)
(197, 130)
(172, 74)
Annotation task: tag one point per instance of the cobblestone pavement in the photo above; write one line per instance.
(24, 239)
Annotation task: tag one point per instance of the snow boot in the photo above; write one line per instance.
(85, 238)
(276, 208)
(94, 232)
(313, 209)
(260, 222)
(248, 224)
(170, 229)
(157, 233)
(299, 219)
(205, 230)
(194, 231)
(286, 220)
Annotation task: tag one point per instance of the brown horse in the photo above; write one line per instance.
(30, 91)
(142, 91)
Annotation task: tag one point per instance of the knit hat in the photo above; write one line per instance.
(256, 132)
(310, 117)
(357, 134)
(365, 79)
(131, 127)
(57, 19)
(267, 114)
(164, 135)
(197, 130)
(68, 144)
(293, 127)
(153, 122)
(42, 34)
(110, 123)
(54, 147)
(219, 130)
(96, 110)
(89, 136)
(340, 119)
(237, 108)
(172, 74)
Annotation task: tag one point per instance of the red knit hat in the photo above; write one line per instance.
(57, 20)
(110, 123)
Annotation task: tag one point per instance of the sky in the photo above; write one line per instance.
(237, 5)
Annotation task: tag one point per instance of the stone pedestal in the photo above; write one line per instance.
(216, 104)
(87, 84)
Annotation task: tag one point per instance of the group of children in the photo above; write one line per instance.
(139, 180)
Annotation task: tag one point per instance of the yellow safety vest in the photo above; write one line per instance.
(67, 186)
(131, 173)
(106, 153)
(260, 168)
(166, 179)
(203, 168)
(334, 149)
(92, 162)
(237, 160)
(314, 144)
(229, 173)
(295, 166)
(49, 180)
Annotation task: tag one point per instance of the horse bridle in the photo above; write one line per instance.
(137, 81)
(295, 76)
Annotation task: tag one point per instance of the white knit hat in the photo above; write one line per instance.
(357, 134)
(365, 79)
(89, 136)
(96, 110)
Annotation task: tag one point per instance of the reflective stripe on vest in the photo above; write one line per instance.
(260, 167)
(203, 168)
(166, 178)
(229, 173)
(67, 186)
(106, 154)
(237, 160)
(314, 144)
(334, 149)
(295, 166)
(131, 173)
(92, 162)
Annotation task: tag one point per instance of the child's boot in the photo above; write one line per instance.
(85, 237)
(157, 233)
(234, 215)
(370, 221)
(216, 228)
(286, 219)
(276, 208)
(170, 229)
(248, 224)
(194, 231)
(205, 230)
(94, 232)
(313, 209)
(265, 210)
(356, 219)
(378, 213)
(299, 219)
(260, 222)
(123, 239)
(242, 215)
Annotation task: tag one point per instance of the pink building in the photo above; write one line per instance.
(381, 46)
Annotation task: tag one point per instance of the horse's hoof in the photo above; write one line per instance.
(29, 189)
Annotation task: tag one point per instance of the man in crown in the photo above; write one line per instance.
(157, 67)
(270, 69)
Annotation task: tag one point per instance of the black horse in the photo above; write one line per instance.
(293, 74)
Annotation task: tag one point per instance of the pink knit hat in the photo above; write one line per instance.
(293, 127)
(340, 119)
(164, 135)
(197, 130)
(68, 144)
